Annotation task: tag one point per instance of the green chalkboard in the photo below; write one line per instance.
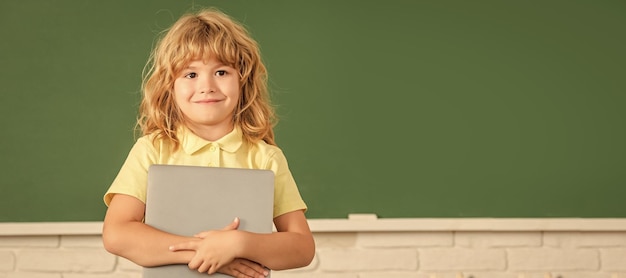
(399, 108)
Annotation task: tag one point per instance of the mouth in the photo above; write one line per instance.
(208, 101)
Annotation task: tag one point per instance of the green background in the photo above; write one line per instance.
(399, 108)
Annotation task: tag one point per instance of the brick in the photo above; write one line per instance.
(335, 240)
(367, 260)
(584, 239)
(283, 274)
(447, 259)
(581, 275)
(33, 275)
(76, 260)
(439, 275)
(109, 275)
(7, 261)
(613, 259)
(404, 239)
(81, 241)
(553, 259)
(29, 241)
(395, 275)
(490, 275)
(497, 239)
(445, 275)
(534, 275)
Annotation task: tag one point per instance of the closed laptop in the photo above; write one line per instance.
(186, 200)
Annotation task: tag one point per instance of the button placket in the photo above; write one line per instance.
(214, 155)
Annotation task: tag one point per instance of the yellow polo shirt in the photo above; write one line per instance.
(230, 151)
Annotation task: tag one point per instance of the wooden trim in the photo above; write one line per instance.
(50, 228)
(465, 224)
(367, 224)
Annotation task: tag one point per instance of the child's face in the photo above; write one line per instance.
(207, 94)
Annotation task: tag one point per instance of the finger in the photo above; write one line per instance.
(204, 267)
(190, 245)
(248, 272)
(240, 274)
(213, 268)
(202, 234)
(233, 225)
(254, 269)
(194, 264)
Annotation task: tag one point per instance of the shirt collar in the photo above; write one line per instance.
(192, 143)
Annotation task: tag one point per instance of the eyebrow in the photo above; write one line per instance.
(217, 65)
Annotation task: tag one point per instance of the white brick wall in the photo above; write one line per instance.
(362, 254)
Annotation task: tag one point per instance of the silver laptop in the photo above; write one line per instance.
(185, 200)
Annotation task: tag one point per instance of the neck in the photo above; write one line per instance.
(211, 133)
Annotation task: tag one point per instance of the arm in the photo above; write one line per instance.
(291, 247)
(124, 234)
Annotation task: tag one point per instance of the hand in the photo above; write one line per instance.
(242, 268)
(232, 226)
(216, 249)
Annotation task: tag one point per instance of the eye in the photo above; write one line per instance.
(191, 75)
(220, 73)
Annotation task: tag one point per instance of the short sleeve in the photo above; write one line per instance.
(286, 194)
(133, 176)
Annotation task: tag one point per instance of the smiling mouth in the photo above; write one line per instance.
(208, 101)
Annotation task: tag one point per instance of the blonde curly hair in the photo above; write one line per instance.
(200, 35)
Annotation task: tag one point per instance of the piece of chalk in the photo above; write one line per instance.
(362, 216)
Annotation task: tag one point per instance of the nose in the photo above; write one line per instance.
(206, 84)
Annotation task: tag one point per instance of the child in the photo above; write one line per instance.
(205, 103)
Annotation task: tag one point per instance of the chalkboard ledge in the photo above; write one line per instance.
(366, 224)
(50, 228)
(369, 223)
